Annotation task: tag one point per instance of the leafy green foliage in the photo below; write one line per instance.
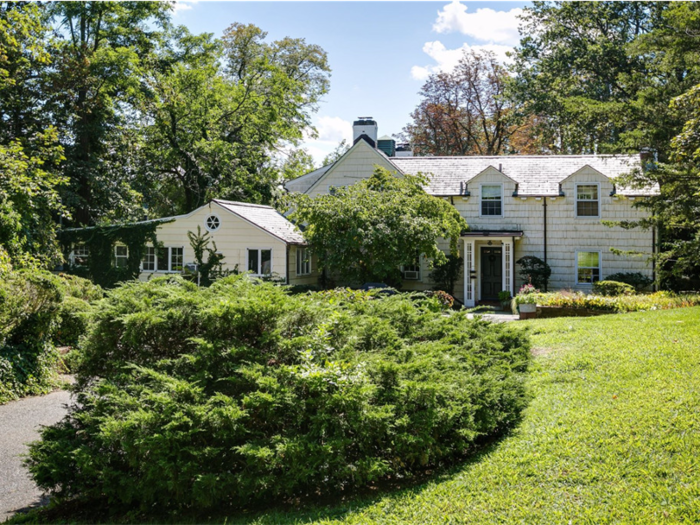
(210, 268)
(75, 309)
(534, 271)
(365, 232)
(637, 279)
(28, 200)
(192, 398)
(446, 273)
(29, 311)
(101, 240)
(611, 288)
(219, 108)
(611, 422)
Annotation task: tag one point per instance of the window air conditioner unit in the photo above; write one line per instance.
(411, 275)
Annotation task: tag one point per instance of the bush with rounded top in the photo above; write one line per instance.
(612, 288)
(240, 393)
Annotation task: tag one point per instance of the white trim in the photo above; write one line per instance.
(206, 220)
(507, 254)
(247, 260)
(300, 250)
(117, 257)
(468, 265)
(576, 201)
(481, 200)
(169, 258)
(600, 266)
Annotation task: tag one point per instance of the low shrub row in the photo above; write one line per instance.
(241, 393)
(620, 303)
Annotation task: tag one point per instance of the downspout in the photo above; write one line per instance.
(286, 273)
(653, 257)
(544, 209)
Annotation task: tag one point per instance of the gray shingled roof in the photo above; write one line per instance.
(265, 218)
(535, 174)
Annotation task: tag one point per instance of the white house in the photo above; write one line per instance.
(551, 207)
(252, 237)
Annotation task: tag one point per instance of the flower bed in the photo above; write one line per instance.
(623, 303)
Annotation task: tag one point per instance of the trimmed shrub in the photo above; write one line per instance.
(636, 279)
(612, 288)
(74, 312)
(241, 393)
(29, 310)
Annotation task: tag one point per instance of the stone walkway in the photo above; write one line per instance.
(497, 316)
(20, 422)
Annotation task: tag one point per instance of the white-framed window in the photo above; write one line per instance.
(303, 261)
(587, 267)
(212, 222)
(260, 261)
(121, 256)
(80, 255)
(176, 258)
(148, 263)
(587, 200)
(491, 200)
(167, 259)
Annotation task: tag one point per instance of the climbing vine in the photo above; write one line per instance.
(100, 242)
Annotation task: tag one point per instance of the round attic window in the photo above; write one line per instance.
(212, 222)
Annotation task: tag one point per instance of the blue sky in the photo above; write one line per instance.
(380, 52)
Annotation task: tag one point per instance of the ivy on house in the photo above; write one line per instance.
(100, 241)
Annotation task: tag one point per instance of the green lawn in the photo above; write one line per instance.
(612, 435)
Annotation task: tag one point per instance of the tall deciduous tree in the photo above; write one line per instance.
(222, 109)
(366, 231)
(465, 112)
(600, 75)
(97, 73)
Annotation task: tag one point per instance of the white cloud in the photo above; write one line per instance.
(331, 131)
(446, 59)
(485, 24)
(183, 5)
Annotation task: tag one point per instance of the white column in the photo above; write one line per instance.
(469, 299)
(507, 266)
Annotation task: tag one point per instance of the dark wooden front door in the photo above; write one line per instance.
(491, 273)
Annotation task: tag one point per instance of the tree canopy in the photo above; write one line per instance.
(367, 231)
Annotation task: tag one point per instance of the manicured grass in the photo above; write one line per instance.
(612, 435)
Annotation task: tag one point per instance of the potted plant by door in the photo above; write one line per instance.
(527, 301)
(505, 298)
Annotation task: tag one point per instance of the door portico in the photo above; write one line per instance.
(477, 246)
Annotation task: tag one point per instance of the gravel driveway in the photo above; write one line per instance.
(19, 424)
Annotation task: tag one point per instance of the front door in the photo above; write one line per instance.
(491, 273)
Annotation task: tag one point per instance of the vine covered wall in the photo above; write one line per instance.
(100, 242)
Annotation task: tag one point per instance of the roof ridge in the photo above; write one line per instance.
(246, 204)
(484, 157)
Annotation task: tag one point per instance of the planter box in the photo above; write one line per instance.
(562, 311)
(527, 311)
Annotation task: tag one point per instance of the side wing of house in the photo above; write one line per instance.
(245, 246)
(356, 164)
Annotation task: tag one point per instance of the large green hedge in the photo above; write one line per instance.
(240, 393)
(29, 311)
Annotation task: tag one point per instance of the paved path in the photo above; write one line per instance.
(19, 424)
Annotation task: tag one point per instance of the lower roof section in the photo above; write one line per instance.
(493, 233)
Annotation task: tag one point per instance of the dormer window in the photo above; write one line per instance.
(492, 200)
(587, 200)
